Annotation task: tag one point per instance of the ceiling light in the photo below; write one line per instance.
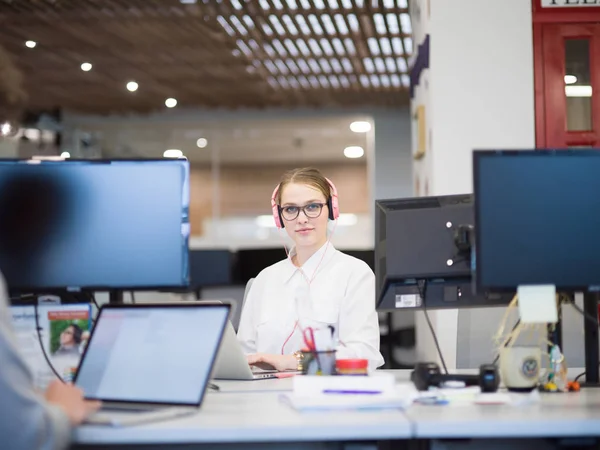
(132, 86)
(353, 152)
(578, 91)
(170, 103)
(360, 126)
(570, 79)
(173, 153)
(65, 155)
(188, 2)
(201, 143)
(8, 129)
(86, 67)
(30, 44)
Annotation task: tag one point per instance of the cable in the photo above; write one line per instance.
(39, 334)
(132, 297)
(517, 323)
(589, 317)
(422, 286)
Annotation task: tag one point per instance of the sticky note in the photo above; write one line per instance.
(537, 303)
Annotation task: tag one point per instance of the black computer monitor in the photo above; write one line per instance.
(249, 262)
(210, 267)
(537, 217)
(94, 225)
(423, 254)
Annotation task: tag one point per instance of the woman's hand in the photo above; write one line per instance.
(70, 399)
(278, 362)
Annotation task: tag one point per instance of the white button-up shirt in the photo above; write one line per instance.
(341, 293)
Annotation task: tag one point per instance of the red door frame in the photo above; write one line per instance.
(541, 18)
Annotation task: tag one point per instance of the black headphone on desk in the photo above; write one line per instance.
(428, 374)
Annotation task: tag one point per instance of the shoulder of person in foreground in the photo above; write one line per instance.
(27, 421)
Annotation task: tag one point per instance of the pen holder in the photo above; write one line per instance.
(319, 363)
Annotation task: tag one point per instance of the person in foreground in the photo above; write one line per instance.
(29, 420)
(316, 286)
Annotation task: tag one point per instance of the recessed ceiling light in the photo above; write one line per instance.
(353, 152)
(86, 67)
(360, 126)
(173, 153)
(188, 2)
(65, 155)
(30, 44)
(8, 129)
(170, 103)
(570, 79)
(132, 86)
(201, 143)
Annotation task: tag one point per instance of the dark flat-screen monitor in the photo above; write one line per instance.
(423, 254)
(537, 216)
(94, 224)
(249, 262)
(211, 267)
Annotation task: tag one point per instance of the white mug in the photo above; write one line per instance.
(520, 367)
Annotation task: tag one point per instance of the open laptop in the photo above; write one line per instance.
(231, 361)
(149, 362)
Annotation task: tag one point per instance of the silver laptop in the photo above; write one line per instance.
(149, 362)
(232, 363)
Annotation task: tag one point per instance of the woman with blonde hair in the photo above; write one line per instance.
(316, 287)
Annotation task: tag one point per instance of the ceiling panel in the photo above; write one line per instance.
(209, 53)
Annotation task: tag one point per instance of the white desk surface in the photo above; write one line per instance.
(556, 415)
(250, 411)
(236, 414)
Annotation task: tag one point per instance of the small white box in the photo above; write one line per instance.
(379, 382)
(537, 303)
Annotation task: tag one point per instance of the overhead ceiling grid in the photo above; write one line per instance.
(115, 56)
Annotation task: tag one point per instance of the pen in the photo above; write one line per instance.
(341, 391)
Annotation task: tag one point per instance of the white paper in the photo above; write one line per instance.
(53, 320)
(537, 303)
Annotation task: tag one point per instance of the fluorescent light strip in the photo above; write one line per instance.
(341, 24)
(303, 25)
(289, 44)
(316, 26)
(392, 22)
(230, 31)
(405, 23)
(338, 46)
(373, 46)
(578, 91)
(379, 23)
(353, 23)
(326, 46)
(289, 23)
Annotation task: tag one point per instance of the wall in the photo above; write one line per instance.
(246, 190)
(393, 162)
(478, 94)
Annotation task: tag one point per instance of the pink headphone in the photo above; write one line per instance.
(332, 204)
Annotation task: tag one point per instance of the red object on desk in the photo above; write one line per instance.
(352, 366)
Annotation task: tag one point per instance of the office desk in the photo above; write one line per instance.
(250, 412)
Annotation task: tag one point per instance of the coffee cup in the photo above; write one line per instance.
(520, 367)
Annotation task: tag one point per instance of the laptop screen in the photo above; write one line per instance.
(152, 353)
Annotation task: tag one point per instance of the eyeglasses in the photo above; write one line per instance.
(312, 211)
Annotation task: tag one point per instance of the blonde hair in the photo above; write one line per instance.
(306, 175)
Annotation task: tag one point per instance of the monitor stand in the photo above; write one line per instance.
(115, 297)
(592, 347)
